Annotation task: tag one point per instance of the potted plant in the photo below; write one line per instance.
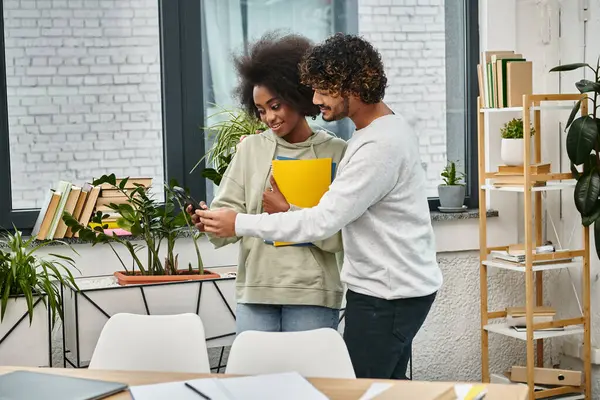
(511, 148)
(149, 279)
(29, 291)
(583, 148)
(452, 191)
(231, 127)
(156, 224)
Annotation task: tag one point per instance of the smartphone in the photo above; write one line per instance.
(185, 198)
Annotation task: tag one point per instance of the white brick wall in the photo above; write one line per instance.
(411, 37)
(83, 81)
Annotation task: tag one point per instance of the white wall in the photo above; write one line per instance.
(550, 33)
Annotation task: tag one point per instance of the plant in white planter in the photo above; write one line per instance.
(452, 191)
(511, 148)
(29, 291)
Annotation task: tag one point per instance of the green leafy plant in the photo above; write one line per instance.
(24, 273)
(451, 176)
(232, 125)
(142, 215)
(583, 148)
(513, 129)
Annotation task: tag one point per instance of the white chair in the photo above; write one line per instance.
(152, 343)
(314, 353)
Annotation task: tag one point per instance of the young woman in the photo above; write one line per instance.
(289, 288)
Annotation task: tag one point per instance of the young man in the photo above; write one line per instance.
(378, 199)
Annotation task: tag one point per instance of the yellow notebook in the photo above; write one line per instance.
(302, 182)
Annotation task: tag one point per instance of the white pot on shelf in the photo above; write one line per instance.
(511, 151)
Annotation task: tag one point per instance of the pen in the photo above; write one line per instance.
(197, 391)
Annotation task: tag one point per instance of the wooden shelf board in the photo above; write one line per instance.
(506, 330)
(559, 185)
(520, 109)
(536, 267)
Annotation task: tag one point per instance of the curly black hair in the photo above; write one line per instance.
(345, 65)
(273, 62)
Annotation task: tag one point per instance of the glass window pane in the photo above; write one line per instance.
(423, 49)
(84, 93)
(247, 21)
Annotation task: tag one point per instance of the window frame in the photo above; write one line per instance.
(182, 107)
(182, 96)
(471, 31)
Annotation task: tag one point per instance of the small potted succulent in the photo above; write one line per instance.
(511, 149)
(452, 191)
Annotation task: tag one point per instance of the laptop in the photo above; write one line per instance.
(25, 385)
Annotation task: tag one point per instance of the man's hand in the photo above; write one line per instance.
(273, 200)
(195, 217)
(220, 222)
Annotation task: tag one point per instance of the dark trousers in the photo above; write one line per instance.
(379, 333)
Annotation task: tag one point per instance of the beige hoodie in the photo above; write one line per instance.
(279, 275)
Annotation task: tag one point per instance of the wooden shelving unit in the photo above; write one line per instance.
(532, 208)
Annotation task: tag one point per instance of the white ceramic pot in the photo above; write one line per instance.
(511, 151)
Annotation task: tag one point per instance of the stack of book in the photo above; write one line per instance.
(515, 316)
(504, 77)
(111, 195)
(513, 175)
(81, 202)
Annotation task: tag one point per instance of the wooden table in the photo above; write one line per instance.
(335, 389)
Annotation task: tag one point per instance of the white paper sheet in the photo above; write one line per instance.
(289, 386)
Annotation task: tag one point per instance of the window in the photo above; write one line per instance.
(430, 49)
(125, 86)
(83, 97)
(248, 21)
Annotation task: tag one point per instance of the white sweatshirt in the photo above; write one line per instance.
(379, 200)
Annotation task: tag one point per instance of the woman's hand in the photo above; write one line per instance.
(273, 200)
(195, 218)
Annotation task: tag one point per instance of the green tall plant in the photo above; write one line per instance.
(226, 133)
(451, 176)
(24, 273)
(513, 129)
(154, 222)
(583, 148)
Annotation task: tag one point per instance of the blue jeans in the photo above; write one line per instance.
(282, 318)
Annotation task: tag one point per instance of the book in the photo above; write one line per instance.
(519, 170)
(70, 205)
(65, 189)
(303, 182)
(90, 204)
(42, 232)
(131, 183)
(519, 77)
(78, 209)
(42, 213)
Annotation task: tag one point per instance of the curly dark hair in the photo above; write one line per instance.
(346, 65)
(273, 62)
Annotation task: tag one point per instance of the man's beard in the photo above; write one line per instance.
(342, 114)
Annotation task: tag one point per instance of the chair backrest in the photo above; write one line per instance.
(152, 343)
(314, 353)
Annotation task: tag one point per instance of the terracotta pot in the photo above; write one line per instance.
(139, 279)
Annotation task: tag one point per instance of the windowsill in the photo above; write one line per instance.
(471, 213)
(436, 216)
